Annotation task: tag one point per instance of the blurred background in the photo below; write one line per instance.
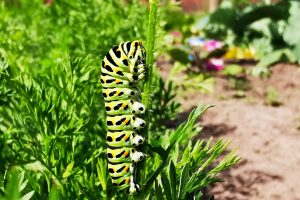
(240, 55)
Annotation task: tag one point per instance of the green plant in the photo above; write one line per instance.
(173, 19)
(237, 79)
(36, 36)
(163, 102)
(47, 122)
(272, 97)
(268, 27)
(187, 79)
(14, 187)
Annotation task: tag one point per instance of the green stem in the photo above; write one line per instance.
(150, 55)
(147, 90)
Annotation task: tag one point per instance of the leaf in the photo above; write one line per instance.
(172, 176)
(151, 179)
(27, 196)
(198, 195)
(186, 155)
(159, 150)
(181, 131)
(272, 97)
(54, 195)
(22, 183)
(180, 54)
(154, 142)
(233, 70)
(68, 170)
(224, 16)
(158, 191)
(182, 182)
(291, 34)
(102, 173)
(296, 52)
(12, 189)
(273, 11)
(271, 58)
(166, 186)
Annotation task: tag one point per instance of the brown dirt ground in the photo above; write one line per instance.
(268, 137)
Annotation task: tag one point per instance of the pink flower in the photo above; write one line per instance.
(214, 64)
(176, 34)
(211, 45)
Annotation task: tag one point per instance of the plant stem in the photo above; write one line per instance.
(150, 55)
(146, 95)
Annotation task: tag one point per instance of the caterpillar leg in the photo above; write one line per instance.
(137, 156)
(137, 69)
(141, 76)
(137, 140)
(139, 123)
(138, 108)
(133, 188)
(142, 70)
(111, 94)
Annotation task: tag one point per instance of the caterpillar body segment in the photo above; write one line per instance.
(124, 107)
(121, 75)
(124, 154)
(124, 122)
(111, 94)
(117, 57)
(109, 81)
(121, 60)
(117, 170)
(123, 139)
(122, 182)
(136, 52)
(124, 65)
(123, 69)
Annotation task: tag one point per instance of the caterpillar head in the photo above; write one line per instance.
(138, 123)
(137, 140)
(138, 108)
(136, 156)
(137, 58)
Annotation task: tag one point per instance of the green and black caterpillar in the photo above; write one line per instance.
(122, 70)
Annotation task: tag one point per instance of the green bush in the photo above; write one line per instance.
(36, 36)
(271, 28)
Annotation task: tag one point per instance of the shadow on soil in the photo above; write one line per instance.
(209, 130)
(180, 118)
(216, 130)
(243, 185)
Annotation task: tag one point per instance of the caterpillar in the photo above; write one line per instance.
(123, 69)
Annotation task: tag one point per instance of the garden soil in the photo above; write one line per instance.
(268, 137)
